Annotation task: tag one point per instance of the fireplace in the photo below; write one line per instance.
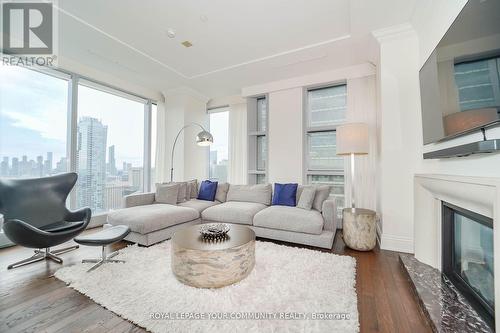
(467, 257)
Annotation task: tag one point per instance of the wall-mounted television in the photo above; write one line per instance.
(460, 82)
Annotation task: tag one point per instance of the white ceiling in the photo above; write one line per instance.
(236, 43)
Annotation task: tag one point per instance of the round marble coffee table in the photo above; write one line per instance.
(206, 264)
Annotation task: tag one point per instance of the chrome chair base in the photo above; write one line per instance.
(44, 254)
(104, 259)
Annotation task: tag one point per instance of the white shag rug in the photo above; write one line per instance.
(289, 290)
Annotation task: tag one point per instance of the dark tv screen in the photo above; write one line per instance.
(460, 82)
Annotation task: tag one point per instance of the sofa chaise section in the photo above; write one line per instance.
(152, 222)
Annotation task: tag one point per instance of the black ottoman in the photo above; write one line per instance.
(103, 238)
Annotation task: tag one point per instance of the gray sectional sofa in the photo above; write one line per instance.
(151, 222)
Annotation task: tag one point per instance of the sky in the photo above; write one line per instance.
(33, 117)
(219, 125)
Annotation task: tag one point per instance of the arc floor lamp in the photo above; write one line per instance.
(204, 138)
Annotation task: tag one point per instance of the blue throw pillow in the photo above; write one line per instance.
(285, 194)
(208, 190)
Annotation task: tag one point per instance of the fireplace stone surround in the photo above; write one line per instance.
(476, 194)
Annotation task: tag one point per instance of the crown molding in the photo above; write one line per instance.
(310, 80)
(394, 32)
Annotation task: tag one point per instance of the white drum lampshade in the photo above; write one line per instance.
(352, 139)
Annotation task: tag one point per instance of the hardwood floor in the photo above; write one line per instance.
(32, 300)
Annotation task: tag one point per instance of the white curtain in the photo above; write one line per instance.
(362, 107)
(162, 169)
(237, 168)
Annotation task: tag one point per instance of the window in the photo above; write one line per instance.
(257, 140)
(154, 124)
(477, 83)
(107, 144)
(261, 114)
(326, 108)
(33, 121)
(109, 150)
(218, 161)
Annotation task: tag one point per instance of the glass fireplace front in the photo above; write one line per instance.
(468, 257)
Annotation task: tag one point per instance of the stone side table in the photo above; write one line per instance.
(359, 228)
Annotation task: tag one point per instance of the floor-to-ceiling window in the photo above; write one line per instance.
(106, 143)
(219, 127)
(326, 109)
(33, 122)
(154, 124)
(110, 146)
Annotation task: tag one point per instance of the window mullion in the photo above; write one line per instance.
(72, 132)
(147, 147)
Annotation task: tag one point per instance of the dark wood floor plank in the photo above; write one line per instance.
(32, 300)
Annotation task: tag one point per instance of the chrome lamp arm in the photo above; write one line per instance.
(204, 133)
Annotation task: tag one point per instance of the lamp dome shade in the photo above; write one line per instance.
(204, 138)
(352, 139)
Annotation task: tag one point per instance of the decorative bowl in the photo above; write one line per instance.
(214, 231)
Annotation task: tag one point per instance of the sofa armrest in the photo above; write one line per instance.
(329, 212)
(139, 199)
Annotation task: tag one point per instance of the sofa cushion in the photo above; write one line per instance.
(290, 219)
(167, 193)
(221, 193)
(251, 193)
(146, 219)
(306, 198)
(322, 193)
(285, 194)
(207, 191)
(199, 205)
(192, 189)
(233, 212)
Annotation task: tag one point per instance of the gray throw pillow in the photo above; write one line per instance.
(322, 193)
(306, 199)
(192, 189)
(167, 193)
(181, 195)
(221, 193)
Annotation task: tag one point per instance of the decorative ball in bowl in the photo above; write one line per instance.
(214, 231)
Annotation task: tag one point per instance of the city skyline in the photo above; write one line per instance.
(34, 119)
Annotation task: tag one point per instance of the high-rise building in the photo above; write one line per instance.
(111, 160)
(91, 157)
(62, 165)
(39, 166)
(135, 178)
(24, 167)
(48, 163)
(4, 167)
(14, 171)
(113, 196)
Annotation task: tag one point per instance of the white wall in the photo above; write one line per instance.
(285, 136)
(185, 106)
(400, 134)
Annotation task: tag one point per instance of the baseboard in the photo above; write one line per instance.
(396, 243)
